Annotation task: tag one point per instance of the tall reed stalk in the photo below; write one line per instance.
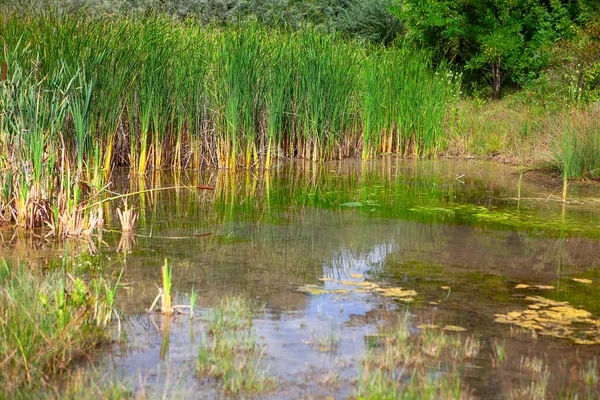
(85, 94)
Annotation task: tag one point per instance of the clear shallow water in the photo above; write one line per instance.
(414, 224)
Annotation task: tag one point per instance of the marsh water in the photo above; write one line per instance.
(461, 233)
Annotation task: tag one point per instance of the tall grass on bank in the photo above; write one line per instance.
(46, 323)
(523, 130)
(576, 149)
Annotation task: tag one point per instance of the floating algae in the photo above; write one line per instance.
(557, 319)
(522, 286)
(406, 296)
(317, 290)
(398, 293)
(363, 284)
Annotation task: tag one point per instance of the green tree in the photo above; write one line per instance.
(369, 20)
(498, 39)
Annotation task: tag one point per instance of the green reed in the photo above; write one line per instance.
(150, 92)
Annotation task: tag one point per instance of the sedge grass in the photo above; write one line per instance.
(230, 352)
(146, 83)
(47, 323)
(415, 366)
(84, 94)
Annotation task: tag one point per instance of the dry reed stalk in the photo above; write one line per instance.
(127, 217)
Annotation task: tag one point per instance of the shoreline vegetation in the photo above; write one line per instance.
(83, 93)
(49, 321)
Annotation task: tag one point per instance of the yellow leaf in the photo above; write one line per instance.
(397, 292)
(427, 326)
(581, 280)
(453, 328)
(368, 285)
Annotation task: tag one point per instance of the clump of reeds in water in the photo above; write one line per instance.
(402, 360)
(231, 352)
(158, 92)
(164, 295)
(48, 177)
(127, 217)
(240, 96)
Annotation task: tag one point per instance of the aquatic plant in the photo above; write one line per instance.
(164, 294)
(556, 319)
(536, 387)
(127, 217)
(404, 364)
(499, 355)
(46, 324)
(230, 352)
(240, 96)
(193, 299)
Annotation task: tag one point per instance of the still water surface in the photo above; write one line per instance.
(477, 229)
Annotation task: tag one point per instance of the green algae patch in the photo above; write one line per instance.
(556, 319)
(506, 218)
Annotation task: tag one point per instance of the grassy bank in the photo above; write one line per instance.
(47, 322)
(524, 130)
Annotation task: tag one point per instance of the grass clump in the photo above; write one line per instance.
(88, 385)
(231, 353)
(46, 323)
(536, 387)
(405, 365)
(576, 151)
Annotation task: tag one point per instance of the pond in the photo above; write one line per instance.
(334, 259)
